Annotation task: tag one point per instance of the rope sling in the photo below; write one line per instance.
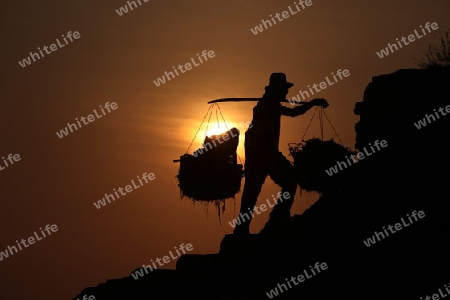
(210, 112)
(320, 116)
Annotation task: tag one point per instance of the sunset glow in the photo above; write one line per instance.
(209, 129)
(95, 136)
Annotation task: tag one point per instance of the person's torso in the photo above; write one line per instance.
(266, 123)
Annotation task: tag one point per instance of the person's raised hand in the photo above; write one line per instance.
(320, 102)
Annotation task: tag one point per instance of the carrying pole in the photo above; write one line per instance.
(238, 100)
(250, 99)
(241, 100)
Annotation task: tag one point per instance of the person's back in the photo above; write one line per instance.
(266, 123)
(262, 156)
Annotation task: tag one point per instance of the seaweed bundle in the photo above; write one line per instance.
(312, 158)
(212, 173)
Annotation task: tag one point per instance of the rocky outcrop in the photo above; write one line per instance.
(393, 102)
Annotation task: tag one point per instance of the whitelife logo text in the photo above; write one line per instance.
(166, 259)
(33, 56)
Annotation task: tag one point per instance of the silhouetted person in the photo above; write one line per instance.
(262, 157)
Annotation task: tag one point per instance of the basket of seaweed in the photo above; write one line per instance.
(212, 172)
(315, 162)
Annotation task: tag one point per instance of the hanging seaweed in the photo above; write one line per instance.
(211, 174)
(314, 156)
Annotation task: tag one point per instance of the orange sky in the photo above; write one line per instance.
(116, 59)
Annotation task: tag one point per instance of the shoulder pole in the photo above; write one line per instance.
(237, 100)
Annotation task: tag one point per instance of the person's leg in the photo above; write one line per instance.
(255, 176)
(282, 173)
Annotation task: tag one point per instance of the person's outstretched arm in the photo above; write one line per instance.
(303, 108)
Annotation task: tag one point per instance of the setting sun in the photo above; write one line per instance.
(216, 129)
(213, 128)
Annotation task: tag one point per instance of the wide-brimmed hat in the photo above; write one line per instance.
(278, 80)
